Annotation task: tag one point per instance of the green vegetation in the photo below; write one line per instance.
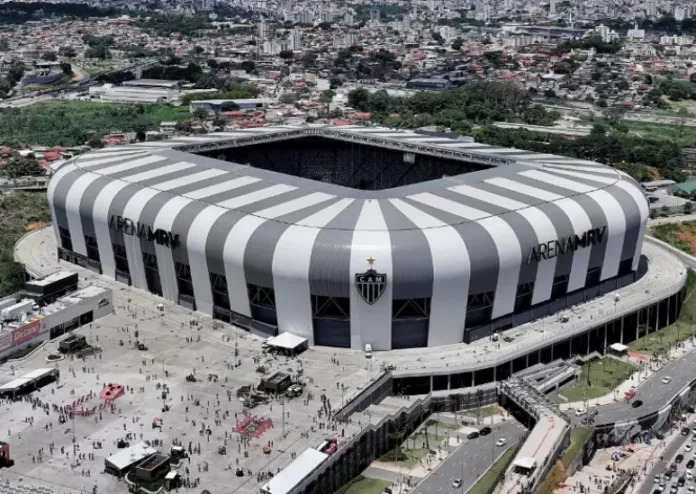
(483, 411)
(679, 235)
(364, 485)
(19, 13)
(598, 377)
(413, 449)
(578, 436)
(456, 109)
(486, 484)
(659, 341)
(553, 479)
(683, 135)
(74, 123)
(614, 146)
(233, 91)
(19, 213)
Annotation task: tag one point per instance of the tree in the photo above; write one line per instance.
(358, 99)
(66, 68)
(49, 56)
(200, 113)
(550, 93)
(198, 50)
(67, 51)
(4, 44)
(286, 55)
(457, 44)
(22, 167)
(248, 66)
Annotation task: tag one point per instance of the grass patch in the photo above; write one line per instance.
(683, 135)
(483, 412)
(658, 342)
(489, 480)
(578, 436)
(364, 485)
(71, 123)
(598, 377)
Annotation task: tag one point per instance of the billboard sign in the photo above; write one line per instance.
(26, 332)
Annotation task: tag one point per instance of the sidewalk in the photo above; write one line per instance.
(647, 370)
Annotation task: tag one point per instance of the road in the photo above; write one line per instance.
(470, 461)
(677, 446)
(652, 392)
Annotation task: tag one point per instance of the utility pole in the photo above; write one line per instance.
(282, 404)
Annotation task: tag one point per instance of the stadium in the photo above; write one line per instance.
(352, 235)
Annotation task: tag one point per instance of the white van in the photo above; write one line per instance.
(368, 350)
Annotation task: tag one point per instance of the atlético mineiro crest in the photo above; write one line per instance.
(371, 284)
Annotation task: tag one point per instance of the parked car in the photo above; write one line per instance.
(679, 458)
(690, 463)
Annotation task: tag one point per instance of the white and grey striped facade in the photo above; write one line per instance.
(271, 250)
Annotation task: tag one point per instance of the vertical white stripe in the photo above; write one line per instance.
(130, 165)
(165, 261)
(195, 244)
(103, 159)
(225, 186)
(449, 205)
(371, 323)
(189, 179)
(581, 257)
(489, 197)
(644, 209)
(51, 191)
(133, 209)
(506, 243)
(158, 172)
(238, 238)
(72, 211)
(587, 176)
(101, 225)
(451, 272)
(528, 190)
(509, 262)
(557, 181)
(546, 268)
(291, 264)
(252, 197)
(615, 233)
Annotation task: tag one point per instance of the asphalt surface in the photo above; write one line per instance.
(470, 460)
(652, 392)
(661, 465)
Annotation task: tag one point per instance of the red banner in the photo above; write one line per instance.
(26, 332)
(639, 356)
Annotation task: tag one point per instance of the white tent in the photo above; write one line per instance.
(288, 341)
